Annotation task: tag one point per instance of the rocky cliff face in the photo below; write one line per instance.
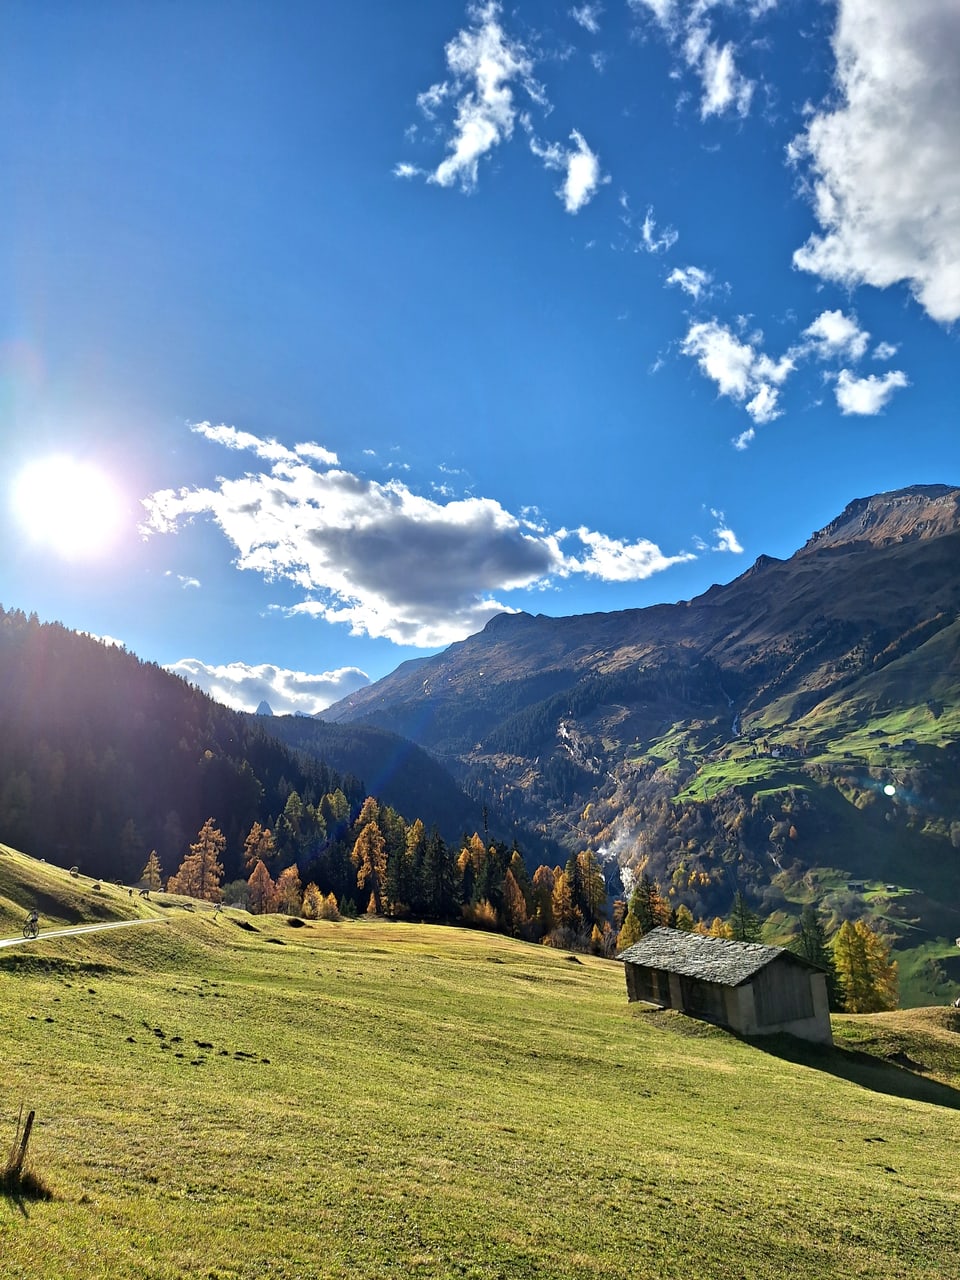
(905, 515)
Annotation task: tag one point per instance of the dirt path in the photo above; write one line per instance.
(80, 928)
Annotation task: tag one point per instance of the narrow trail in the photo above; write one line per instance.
(80, 928)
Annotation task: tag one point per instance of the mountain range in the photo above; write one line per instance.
(692, 739)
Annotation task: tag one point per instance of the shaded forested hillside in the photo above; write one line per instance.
(104, 757)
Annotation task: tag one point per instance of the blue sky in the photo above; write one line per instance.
(329, 331)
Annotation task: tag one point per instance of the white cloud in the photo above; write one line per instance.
(885, 351)
(649, 238)
(686, 23)
(726, 539)
(184, 581)
(833, 334)
(380, 558)
(244, 687)
(484, 64)
(581, 169)
(403, 170)
(882, 154)
(111, 642)
(723, 85)
(692, 280)
(740, 370)
(867, 395)
(616, 561)
(588, 16)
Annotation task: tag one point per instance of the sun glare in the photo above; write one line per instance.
(70, 506)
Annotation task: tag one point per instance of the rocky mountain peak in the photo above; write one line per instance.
(902, 515)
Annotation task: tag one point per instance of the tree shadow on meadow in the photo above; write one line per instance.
(899, 1079)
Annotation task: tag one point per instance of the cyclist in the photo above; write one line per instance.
(33, 923)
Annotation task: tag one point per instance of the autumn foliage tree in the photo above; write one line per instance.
(151, 877)
(259, 844)
(370, 859)
(262, 890)
(288, 891)
(201, 872)
(866, 972)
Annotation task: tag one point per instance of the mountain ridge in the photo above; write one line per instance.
(681, 737)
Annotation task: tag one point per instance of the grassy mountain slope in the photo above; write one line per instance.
(375, 1099)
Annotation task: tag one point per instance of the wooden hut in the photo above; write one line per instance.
(752, 989)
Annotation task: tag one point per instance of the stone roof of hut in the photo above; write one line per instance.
(693, 955)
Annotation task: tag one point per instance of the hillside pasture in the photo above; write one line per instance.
(230, 1096)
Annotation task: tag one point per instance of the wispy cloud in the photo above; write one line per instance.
(244, 687)
(867, 396)
(651, 241)
(692, 280)
(184, 581)
(686, 24)
(384, 560)
(485, 67)
(588, 16)
(881, 156)
(580, 167)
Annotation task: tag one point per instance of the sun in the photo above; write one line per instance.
(70, 506)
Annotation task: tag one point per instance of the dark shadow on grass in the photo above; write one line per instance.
(21, 1187)
(863, 1069)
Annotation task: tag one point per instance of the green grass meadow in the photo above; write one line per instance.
(233, 1096)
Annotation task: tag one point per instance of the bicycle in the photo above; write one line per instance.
(31, 929)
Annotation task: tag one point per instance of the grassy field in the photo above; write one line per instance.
(227, 1096)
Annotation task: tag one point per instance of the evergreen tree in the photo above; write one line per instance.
(811, 943)
(439, 879)
(745, 924)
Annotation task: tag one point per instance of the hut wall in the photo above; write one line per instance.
(650, 985)
(805, 1015)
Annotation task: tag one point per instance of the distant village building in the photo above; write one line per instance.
(752, 989)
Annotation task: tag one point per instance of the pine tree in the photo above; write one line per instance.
(811, 943)
(151, 877)
(439, 878)
(744, 923)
